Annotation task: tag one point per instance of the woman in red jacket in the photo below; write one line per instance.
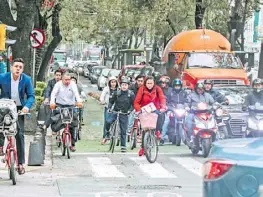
(151, 93)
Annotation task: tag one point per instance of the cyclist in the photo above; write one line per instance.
(164, 83)
(134, 87)
(176, 95)
(151, 93)
(84, 97)
(217, 96)
(17, 86)
(104, 100)
(65, 94)
(121, 100)
(48, 90)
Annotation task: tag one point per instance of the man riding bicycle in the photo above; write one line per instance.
(65, 94)
(121, 100)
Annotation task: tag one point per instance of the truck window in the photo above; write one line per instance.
(213, 60)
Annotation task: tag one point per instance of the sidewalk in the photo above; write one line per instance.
(48, 156)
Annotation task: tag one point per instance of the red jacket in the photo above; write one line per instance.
(144, 97)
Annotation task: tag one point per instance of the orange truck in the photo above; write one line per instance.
(201, 54)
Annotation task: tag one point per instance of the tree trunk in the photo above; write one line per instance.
(260, 66)
(199, 14)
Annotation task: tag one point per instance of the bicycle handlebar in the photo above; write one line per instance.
(118, 112)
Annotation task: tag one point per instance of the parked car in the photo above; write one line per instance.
(234, 168)
(94, 59)
(102, 80)
(95, 73)
(114, 73)
(87, 69)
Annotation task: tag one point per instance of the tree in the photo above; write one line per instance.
(29, 15)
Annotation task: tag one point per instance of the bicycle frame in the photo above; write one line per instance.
(10, 147)
(64, 135)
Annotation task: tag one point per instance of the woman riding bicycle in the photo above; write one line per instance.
(151, 93)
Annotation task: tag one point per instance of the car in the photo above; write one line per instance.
(128, 69)
(94, 59)
(95, 73)
(102, 80)
(234, 168)
(147, 71)
(114, 73)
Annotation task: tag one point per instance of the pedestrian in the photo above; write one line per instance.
(2, 65)
(16, 85)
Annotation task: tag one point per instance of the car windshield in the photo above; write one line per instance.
(114, 73)
(131, 70)
(97, 71)
(105, 72)
(214, 60)
(95, 58)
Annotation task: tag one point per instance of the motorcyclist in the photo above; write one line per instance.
(176, 95)
(196, 97)
(255, 96)
(217, 96)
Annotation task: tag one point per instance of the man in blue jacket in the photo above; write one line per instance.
(16, 85)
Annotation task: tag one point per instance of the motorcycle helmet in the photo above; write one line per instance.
(199, 86)
(164, 79)
(257, 82)
(208, 81)
(125, 80)
(176, 83)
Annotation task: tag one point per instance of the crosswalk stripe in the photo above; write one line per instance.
(154, 170)
(189, 163)
(102, 167)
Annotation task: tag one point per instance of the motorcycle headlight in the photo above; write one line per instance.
(219, 112)
(7, 120)
(180, 112)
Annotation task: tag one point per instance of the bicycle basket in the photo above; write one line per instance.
(7, 107)
(148, 120)
(66, 115)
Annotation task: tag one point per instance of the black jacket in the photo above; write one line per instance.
(134, 88)
(50, 86)
(174, 98)
(122, 101)
(253, 98)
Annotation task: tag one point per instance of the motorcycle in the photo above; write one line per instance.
(255, 121)
(204, 130)
(178, 113)
(221, 116)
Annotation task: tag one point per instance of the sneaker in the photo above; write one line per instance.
(161, 142)
(123, 149)
(1, 151)
(158, 135)
(141, 152)
(104, 141)
(73, 148)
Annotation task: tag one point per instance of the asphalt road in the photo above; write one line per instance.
(177, 173)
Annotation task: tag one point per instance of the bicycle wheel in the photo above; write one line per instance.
(68, 145)
(79, 133)
(133, 138)
(150, 146)
(58, 141)
(62, 146)
(12, 167)
(113, 137)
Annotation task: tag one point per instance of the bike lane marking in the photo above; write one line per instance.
(189, 164)
(103, 167)
(153, 170)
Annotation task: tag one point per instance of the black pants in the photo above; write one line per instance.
(20, 139)
(160, 121)
(123, 118)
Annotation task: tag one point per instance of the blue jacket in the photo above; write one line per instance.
(25, 87)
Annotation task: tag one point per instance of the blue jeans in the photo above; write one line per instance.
(123, 122)
(166, 124)
(189, 123)
(131, 121)
(106, 115)
(81, 114)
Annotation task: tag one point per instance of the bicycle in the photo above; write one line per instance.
(115, 131)
(149, 142)
(9, 130)
(79, 127)
(65, 137)
(136, 132)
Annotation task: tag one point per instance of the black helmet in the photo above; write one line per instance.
(125, 80)
(199, 85)
(256, 82)
(208, 81)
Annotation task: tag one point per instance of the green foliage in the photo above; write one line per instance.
(38, 91)
(41, 84)
(40, 87)
(39, 100)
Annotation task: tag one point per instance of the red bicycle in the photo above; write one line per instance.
(9, 129)
(64, 136)
(136, 134)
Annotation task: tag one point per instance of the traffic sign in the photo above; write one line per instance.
(37, 38)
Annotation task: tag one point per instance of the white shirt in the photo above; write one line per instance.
(65, 95)
(15, 91)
